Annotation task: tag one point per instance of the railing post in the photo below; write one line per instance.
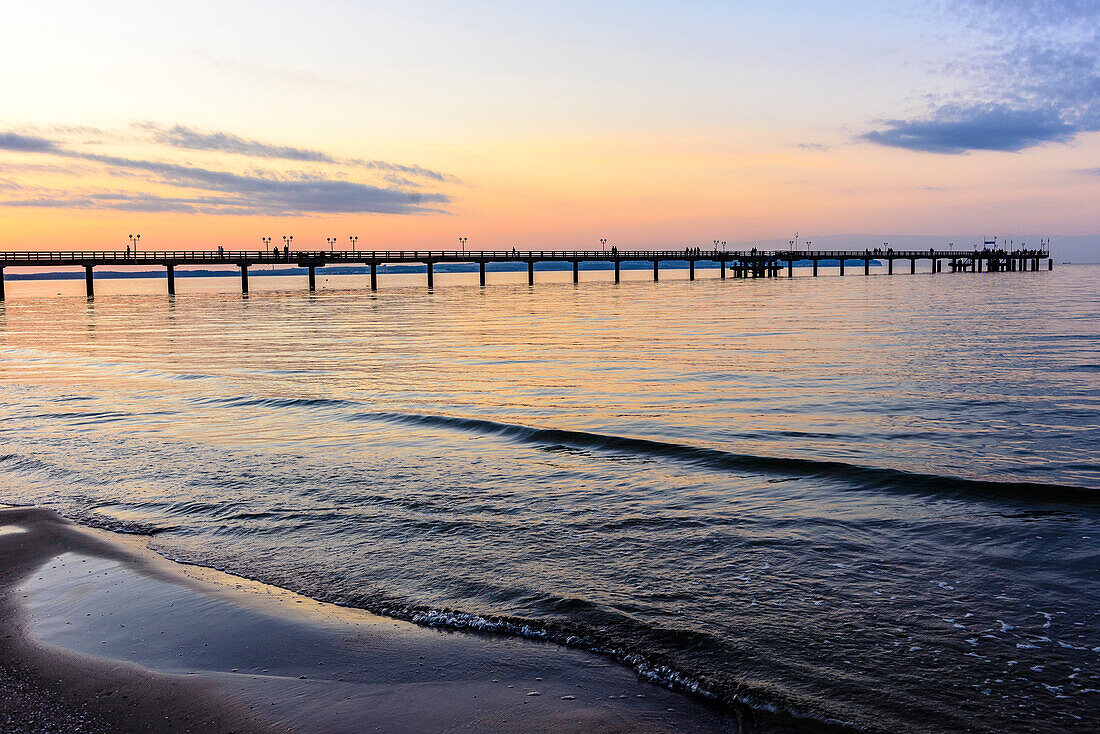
(171, 279)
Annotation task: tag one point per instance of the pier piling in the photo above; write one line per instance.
(745, 264)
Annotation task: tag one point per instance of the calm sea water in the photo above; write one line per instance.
(871, 500)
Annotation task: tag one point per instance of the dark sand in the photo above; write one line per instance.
(101, 634)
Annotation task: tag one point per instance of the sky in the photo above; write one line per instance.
(548, 125)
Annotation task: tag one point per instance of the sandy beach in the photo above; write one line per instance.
(101, 634)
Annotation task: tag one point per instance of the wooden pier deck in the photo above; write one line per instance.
(741, 264)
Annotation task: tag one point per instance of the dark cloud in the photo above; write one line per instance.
(1090, 171)
(957, 130)
(25, 143)
(1035, 74)
(253, 193)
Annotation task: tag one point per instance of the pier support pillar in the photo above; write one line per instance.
(1, 284)
(431, 274)
(691, 270)
(530, 272)
(866, 267)
(890, 266)
(617, 271)
(912, 265)
(842, 265)
(171, 280)
(815, 267)
(790, 268)
(244, 280)
(576, 271)
(88, 287)
(312, 278)
(374, 276)
(654, 271)
(1050, 264)
(481, 272)
(722, 270)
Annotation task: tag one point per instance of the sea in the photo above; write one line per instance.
(856, 503)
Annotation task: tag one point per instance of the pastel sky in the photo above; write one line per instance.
(545, 124)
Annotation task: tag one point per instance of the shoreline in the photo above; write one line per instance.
(98, 631)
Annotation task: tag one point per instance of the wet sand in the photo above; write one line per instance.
(98, 633)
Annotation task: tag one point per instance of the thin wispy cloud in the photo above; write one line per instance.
(222, 191)
(180, 136)
(1036, 80)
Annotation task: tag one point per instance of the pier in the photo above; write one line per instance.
(739, 264)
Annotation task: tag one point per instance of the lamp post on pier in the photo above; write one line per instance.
(353, 239)
(134, 239)
(331, 243)
(287, 239)
(462, 242)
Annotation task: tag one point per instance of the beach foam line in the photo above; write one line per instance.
(92, 616)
